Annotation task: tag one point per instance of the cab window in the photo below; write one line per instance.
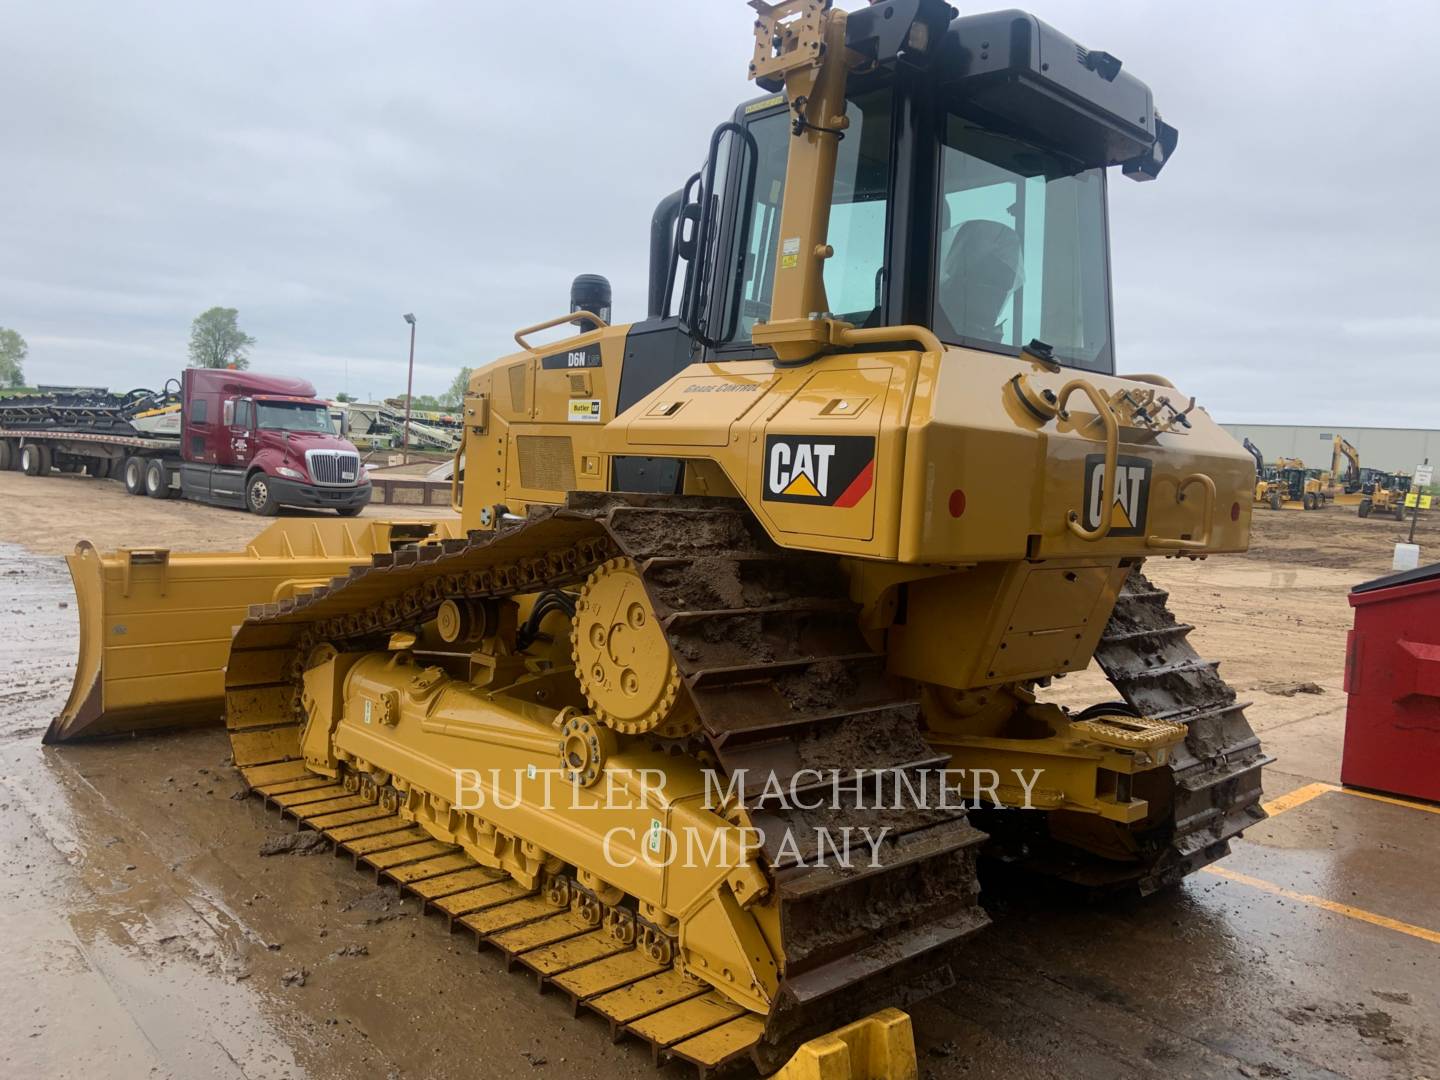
(1022, 251)
(858, 215)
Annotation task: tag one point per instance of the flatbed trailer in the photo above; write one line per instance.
(35, 451)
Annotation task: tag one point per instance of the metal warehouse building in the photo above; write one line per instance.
(1391, 449)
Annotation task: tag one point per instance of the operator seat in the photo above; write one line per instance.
(982, 268)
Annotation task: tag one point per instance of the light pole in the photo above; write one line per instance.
(409, 392)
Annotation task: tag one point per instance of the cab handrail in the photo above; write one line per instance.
(1106, 415)
(570, 316)
(1176, 543)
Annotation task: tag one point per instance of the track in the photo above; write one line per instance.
(769, 648)
(1213, 780)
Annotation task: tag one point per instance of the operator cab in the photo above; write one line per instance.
(969, 196)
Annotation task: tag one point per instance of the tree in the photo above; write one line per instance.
(343, 397)
(216, 340)
(456, 394)
(13, 351)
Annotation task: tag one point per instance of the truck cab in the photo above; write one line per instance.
(264, 441)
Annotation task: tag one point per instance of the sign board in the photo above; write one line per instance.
(1420, 501)
(1424, 475)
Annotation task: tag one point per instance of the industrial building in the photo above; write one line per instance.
(1391, 449)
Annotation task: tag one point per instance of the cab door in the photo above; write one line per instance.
(240, 437)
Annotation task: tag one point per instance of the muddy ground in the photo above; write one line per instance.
(145, 936)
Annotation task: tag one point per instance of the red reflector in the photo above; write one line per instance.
(957, 503)
(1235, 511)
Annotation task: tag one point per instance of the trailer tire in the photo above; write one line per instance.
(259, 498)
(7, 455)
(99, 468)
(35, 459)
(157, 479)
(133, 474)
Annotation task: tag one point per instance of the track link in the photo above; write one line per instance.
(769, 647)
(1214, 777)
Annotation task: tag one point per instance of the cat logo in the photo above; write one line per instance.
(1130, 491)
(834, 471)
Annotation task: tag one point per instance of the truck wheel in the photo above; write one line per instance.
(348, 511)
(157, 480)
(1364, 510)
(35, 459)
(1275, 501)
(7, 455)
(134, 476)
(259, 498)
(1400, 512)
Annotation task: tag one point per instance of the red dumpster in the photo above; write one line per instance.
(1392, 674)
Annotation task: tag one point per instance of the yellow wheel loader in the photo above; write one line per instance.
(733, 666)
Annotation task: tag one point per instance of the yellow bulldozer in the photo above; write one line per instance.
(733, 666)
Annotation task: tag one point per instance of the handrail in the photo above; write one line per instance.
(572, 316)
(1176, 543)
(889, 335)
(1112, 453)
(455, 471)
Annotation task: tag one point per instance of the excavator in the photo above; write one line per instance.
(731, 669)
(1268, 489)
(1342, 484)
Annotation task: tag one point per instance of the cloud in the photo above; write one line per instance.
(326, 168)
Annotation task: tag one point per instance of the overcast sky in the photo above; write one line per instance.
(327, 167)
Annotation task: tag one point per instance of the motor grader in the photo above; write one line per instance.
(789, 562)
(1384, 493)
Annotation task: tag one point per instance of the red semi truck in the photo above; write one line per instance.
(258, 442)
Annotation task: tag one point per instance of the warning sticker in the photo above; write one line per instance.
(585, 412)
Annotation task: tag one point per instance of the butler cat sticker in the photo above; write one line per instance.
(1130, 491)
(835, 470)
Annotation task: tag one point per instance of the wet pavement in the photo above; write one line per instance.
(143, 935)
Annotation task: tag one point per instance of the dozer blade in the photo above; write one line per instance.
(155, 625)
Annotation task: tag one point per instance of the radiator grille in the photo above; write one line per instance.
(518, 375)
(333, 468)
(546, 462)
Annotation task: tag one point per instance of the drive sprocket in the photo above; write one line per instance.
(623, 660)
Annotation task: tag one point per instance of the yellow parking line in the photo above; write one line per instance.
(1391, 799)
(1298, 797)
(1349, 912)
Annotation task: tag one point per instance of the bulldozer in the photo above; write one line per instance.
(731, 670)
